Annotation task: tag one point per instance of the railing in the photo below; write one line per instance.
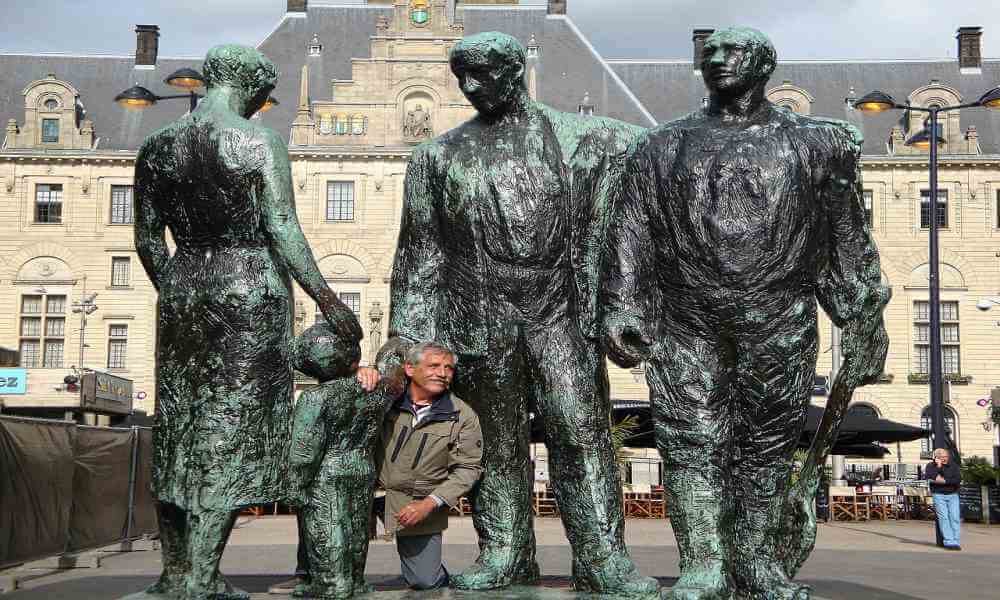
(67, 488)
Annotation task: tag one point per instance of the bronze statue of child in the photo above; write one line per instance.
(335, 429)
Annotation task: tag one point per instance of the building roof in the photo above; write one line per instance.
(98, 79)
(671, 89)
(640, 92)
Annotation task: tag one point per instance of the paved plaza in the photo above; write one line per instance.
(893, 560)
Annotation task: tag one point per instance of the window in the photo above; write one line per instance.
(42, 332)
(121, 204)
(340, 201)
(341, 125)
(863, 409)
(51, 104)
(996, 211)
(925, 209)
(867, 198)
(950, 339)
(120, 268)
(353, 302)
(926, 422)
(48, 203)
(117, 346)
(350, 299)
(50, 130)
(358, 123)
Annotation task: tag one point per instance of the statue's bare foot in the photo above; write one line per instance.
(704, 582)
(617, 576)
(496, 569)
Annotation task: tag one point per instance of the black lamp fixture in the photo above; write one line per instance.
(991, 99)
(922, 138)
(270, 103)
(138, 97)
(185, 79)
(876, 101)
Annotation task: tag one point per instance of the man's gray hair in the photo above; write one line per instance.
(942, 452)
(416, 352)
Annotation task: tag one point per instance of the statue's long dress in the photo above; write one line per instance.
(224, 374)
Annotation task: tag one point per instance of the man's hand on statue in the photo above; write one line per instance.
(415, 512)
(625, 341)
(343, 321)
(368, 377)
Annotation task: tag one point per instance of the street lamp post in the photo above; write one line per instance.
(930, 137)
(138, 97)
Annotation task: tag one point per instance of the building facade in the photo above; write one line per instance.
(361, 85)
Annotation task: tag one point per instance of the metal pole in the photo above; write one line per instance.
(940, 438)
(126, 545)
(83, 321)
(836, 460)
(194, 101)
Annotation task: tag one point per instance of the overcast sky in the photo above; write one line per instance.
(812, 29)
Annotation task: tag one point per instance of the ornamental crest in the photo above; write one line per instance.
(419, 12)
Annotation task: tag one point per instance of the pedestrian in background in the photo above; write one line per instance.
(945, 478)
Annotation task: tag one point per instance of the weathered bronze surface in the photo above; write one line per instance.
(334, 433)
(503, 220)
(222, 185)
(732, 223)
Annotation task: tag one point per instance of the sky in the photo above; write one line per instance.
(651, 29)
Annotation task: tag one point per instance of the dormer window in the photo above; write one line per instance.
(51, 104)
(50, 131)
(315, 48)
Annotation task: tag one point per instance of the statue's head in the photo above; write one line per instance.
(319, 352)
(490, 70)
(245, 70)
(737, 59)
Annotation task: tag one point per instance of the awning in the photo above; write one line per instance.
(858, 434)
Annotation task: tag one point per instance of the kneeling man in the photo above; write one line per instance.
(431, 448)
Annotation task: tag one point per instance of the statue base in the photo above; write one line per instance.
(546, 591)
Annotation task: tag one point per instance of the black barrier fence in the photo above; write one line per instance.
(66, 487)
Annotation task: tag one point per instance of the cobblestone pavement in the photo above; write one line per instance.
(894, 560)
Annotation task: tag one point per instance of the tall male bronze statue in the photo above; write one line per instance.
(222, 184)
(732, 223)
(502, 219)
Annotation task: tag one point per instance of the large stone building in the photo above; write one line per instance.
(361, 85)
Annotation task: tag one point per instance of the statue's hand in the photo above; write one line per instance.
(864, 347)
(342, 320)
(626, 340)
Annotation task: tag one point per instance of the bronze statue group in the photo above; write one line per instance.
(534, 244)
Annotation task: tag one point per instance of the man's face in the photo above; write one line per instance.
(730, 66)
(489, 85)
(942, 459)
(433, 373)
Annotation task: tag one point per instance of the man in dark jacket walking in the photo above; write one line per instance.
(946, 477)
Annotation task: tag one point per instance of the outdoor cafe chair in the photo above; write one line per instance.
(884, 502)
(846, 505)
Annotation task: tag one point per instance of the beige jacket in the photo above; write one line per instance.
(440, 456)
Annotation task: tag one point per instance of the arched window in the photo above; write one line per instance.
(950, 425)
(863, 409)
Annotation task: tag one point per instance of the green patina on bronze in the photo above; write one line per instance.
(498, 257)
(222, 185)
(731, 224)
(334, 435)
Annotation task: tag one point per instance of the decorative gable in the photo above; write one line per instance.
(54, 118)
